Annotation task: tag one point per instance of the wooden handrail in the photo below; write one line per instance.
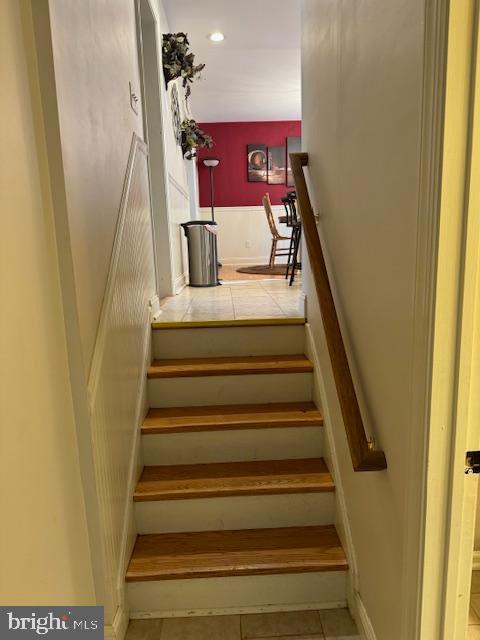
(364, 457)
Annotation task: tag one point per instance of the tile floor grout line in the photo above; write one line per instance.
(321, 623)
(202, 304)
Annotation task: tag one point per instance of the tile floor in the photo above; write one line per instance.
(334, 624)
(235, 300)
(474, 617)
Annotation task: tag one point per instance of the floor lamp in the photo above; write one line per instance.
(211, 163)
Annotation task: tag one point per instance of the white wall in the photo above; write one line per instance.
(362, 101)
(46, 556)
(95, 57)
(244, 235)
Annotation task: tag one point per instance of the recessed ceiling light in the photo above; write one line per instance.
(216, 36)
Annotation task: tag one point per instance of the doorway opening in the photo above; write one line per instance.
(248, 100)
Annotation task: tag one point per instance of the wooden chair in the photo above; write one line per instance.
(276, 237)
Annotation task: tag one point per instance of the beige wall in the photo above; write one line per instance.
(43, 537)
(362, 100)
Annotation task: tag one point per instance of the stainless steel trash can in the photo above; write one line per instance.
(202, 252)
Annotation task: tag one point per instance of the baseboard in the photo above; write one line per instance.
(230, 611)
(320, 397)
(230, 262)
(118, 629)
(154, 306)
(476, 561)
(363, 621)
(180, 283)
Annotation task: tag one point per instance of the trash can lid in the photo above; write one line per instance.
(192, 223)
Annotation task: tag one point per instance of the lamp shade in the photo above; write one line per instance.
(211, 162)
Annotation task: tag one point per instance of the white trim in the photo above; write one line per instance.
(363, 621)
(448, 538)
(118, 629)
(93, 378)
(154, 307)
(277, 208)
(180, 283)
(461, 490)
(229, 611)
(436, 38)
(174, 182)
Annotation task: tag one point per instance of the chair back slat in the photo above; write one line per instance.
(267, 205)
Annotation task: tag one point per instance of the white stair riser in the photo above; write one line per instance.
(244, 389)
(201, 596)
(228, 341)
(235, 512)
(233, 446)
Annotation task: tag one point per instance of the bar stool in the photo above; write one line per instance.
(293, 221)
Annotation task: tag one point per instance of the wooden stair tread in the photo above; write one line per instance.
(205, 554)
(209, 324)
(234, 416)
(233, 479)
(229, 366)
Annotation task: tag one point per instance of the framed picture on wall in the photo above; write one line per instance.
(257, 162)
(276, 165)
(294, 145)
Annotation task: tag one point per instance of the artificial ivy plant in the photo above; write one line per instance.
(193, 138)
(177, 61)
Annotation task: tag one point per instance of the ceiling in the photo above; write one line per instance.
(254, 74)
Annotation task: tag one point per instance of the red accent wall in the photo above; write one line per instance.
(232, 188)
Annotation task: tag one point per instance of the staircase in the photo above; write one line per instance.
(235, 505)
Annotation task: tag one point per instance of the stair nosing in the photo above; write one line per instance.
(252, 470)
(249, 322)
(232, 421)
(229, 366)
(228, 561)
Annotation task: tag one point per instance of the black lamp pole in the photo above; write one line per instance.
(210, 168)
(211, 163)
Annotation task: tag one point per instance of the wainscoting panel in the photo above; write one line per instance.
(243, 233)
(179, 200)
(117, 378)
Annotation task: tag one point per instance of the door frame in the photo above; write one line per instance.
(153, 91)
(462, 489)
(440, 501)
